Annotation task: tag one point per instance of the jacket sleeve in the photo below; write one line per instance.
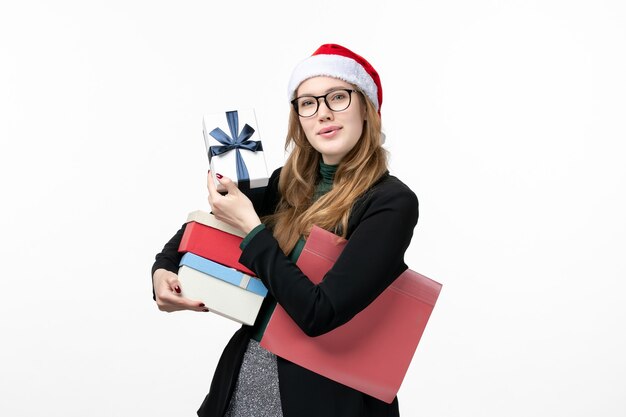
(169, 257)
(371, 260)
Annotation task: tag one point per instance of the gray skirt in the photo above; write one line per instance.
(256, 393)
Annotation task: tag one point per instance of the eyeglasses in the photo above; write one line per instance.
(336, 100)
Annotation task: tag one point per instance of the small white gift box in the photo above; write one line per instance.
(234, 148)
(223, 290)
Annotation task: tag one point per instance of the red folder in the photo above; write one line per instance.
(213, 244)
(372, 352)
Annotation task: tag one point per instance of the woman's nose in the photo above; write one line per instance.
(323, 112)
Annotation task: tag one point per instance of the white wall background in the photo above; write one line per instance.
(507, 118)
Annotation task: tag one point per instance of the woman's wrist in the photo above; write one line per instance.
(250, 225)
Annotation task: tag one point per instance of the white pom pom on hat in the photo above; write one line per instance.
(336, 61)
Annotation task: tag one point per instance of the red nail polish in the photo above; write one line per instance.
(177, 289)
(219, 176)
(201, 305)
(206, 310)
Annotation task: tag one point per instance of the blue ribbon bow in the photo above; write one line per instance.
(236, 141)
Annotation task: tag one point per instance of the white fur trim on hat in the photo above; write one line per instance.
(335, 66)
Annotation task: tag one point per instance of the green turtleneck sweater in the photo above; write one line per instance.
(325, 184)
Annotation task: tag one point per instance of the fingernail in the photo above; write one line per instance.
(206, 310)
(218, 176)
(201, 305)
(177, 289)
(209, 171)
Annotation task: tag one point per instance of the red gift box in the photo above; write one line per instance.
(214, 244)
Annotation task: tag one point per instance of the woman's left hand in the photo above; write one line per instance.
(233, 208)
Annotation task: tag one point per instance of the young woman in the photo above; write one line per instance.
(335, 177)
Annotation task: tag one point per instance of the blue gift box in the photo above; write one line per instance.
(223, 290)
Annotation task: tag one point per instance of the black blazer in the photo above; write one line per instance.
(380, 228)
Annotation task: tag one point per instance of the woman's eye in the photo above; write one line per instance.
(305, 103)
(338, 96)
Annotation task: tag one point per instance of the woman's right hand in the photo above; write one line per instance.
(168, 294)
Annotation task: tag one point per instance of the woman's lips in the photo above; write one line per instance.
(329, 132)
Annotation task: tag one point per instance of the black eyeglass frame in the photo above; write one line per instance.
(294, 102)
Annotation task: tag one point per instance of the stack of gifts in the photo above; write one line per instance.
(209, 270)
(234, 153)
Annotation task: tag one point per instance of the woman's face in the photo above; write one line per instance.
(332, 133)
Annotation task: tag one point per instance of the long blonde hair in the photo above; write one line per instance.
(296, 212)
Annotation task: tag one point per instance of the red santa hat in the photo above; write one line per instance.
(336, 61)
